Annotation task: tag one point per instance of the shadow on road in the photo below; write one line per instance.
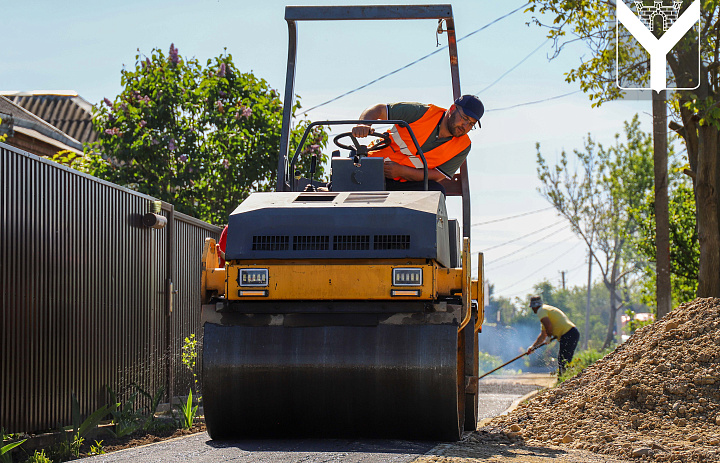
(328, 446)
(494, 446)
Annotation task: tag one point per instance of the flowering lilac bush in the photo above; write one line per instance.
(199, 137)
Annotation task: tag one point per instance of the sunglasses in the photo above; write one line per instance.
(466, 119)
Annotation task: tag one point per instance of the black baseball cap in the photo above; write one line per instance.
(536, 301)
(472, 107)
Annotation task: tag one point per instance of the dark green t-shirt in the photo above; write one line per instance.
(411, 112)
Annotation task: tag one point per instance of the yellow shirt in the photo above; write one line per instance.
(560, 323)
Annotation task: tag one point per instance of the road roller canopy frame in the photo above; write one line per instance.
(459, 185)
(347, 312)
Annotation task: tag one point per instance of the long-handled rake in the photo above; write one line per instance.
(518, 357)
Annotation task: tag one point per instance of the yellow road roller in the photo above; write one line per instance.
(344, 311)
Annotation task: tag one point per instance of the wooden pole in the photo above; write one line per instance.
(662, 214)
(587, 306)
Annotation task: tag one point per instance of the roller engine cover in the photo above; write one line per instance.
(340, 225)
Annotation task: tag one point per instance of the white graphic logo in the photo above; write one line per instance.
(675, 28)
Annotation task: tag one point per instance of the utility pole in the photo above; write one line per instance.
(563, 279)
(662, 215)
(587, 307)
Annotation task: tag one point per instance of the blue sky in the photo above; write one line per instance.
(82, 46)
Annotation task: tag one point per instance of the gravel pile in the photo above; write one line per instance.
(655, 398)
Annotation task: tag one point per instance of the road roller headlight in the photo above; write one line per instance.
(407, 277)
(253, 277)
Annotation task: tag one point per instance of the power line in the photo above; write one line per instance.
(576, 268)
(514, 67)
(524, 257)
(539, 270)
(568, 272)
(534, 232)
(512, 217)
(535, 102)
(438, 50)
(531, 244)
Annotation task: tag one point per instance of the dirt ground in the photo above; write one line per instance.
(113, 444)
(497, 447)
(490, 445)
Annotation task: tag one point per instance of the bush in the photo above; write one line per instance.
(199, 136)
(487, 362)
(39, 457)
(582, 360)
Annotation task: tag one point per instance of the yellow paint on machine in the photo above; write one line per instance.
(342, 280)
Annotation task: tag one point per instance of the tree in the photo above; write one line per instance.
(598, 204)
(199, 137)
(697, 112)
(504, 312)
(684, 247)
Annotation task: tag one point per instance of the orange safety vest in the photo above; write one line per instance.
(402, 149)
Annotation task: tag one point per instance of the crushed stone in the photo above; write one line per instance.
(654, 398)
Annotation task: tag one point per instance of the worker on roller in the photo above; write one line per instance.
(441, 134)
(556, 324)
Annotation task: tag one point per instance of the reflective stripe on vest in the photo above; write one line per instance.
(402, 149)
(395, 135)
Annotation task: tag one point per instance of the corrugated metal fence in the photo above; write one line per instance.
(85, 292)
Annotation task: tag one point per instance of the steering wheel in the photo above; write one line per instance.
(363, 149)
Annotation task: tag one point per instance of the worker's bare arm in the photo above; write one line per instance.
(547, 325)
(395, 170)
(377, 112)
(546, 328)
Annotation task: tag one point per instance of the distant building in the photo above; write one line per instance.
(45, 122)
(28, 132)
(63, 109)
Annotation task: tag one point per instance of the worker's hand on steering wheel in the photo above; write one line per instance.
(362, 130)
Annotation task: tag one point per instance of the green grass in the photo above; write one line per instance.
(582, 360)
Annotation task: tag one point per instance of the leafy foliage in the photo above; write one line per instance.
(696, 112)
(69, 447)
(633, 323)
(599, 203)
(97, 448)
(592, 22)
(488, 362)
(39, 457)
(199, 137)
(188, 412)
(2, 137)
(129, 417)
(581, 361)
(5, 449)
(189, 357)
(684, 244)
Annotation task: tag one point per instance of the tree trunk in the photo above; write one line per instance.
(663, 289)
(612, 287)
(706, 202)
(586, 336)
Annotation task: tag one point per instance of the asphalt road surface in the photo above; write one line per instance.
(496, 395)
